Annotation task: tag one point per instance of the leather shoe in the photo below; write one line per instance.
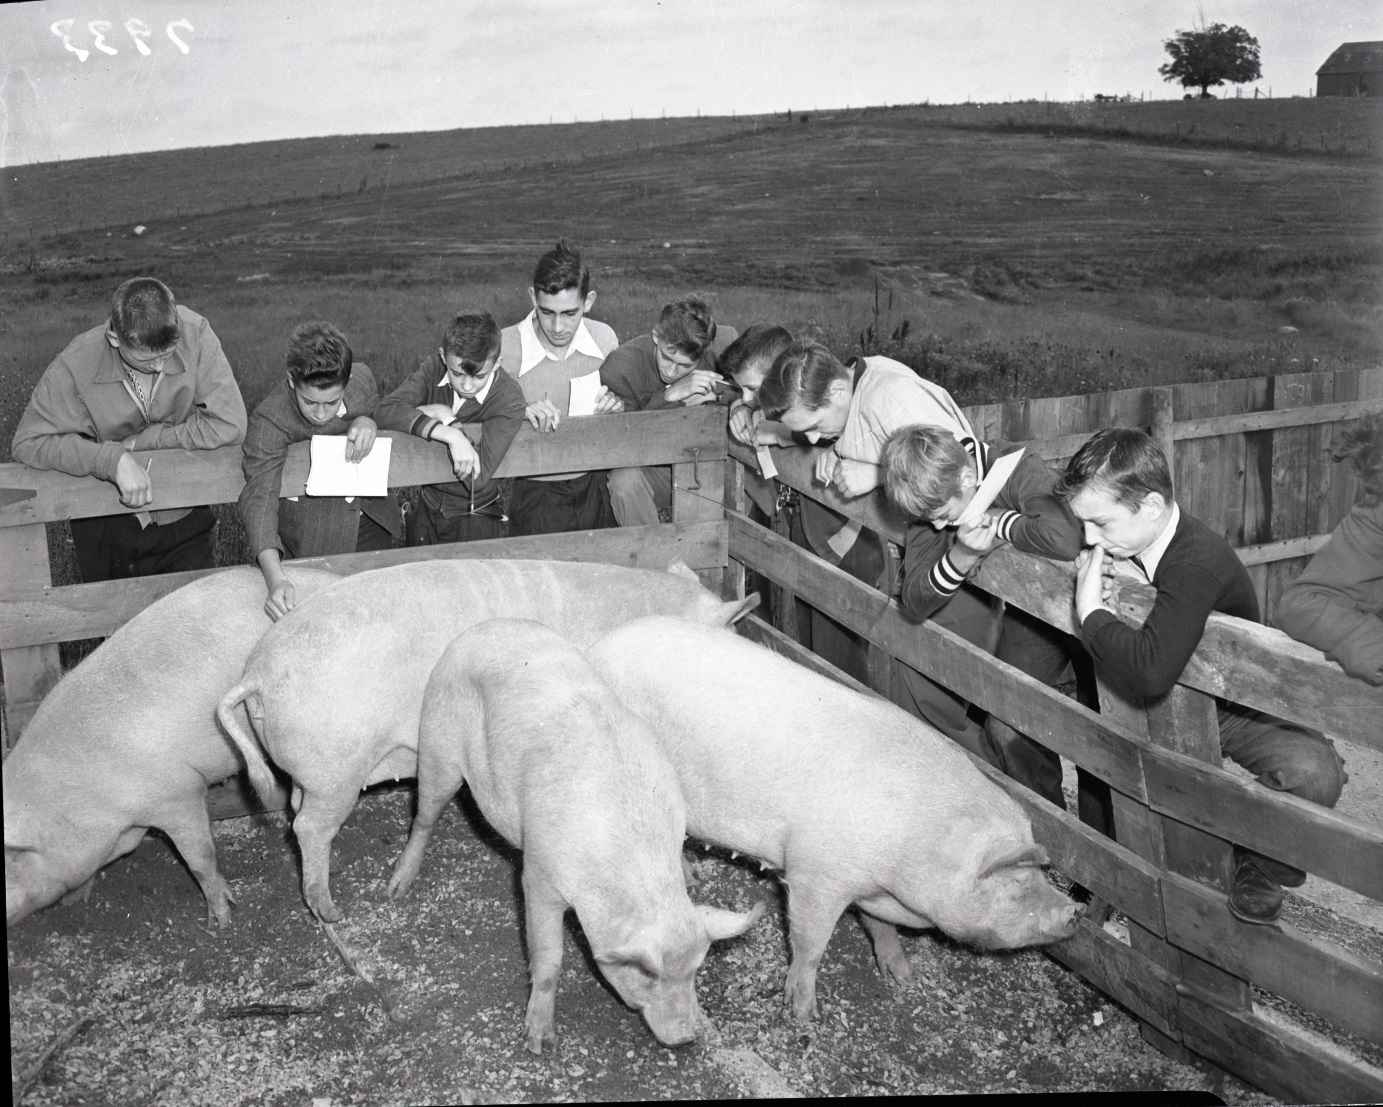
(1254, 898)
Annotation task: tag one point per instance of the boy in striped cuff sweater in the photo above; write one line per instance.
(932, 476)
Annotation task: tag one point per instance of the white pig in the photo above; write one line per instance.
(128, 740)
(335, 687)
(572, 778)
(857, 801)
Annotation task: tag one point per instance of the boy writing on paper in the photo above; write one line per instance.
(471, 388)
(674, 365)
(1119, 485)
(958, 512)
(326, 392)
(552, 347)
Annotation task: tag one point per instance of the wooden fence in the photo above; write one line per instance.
(1189, 967)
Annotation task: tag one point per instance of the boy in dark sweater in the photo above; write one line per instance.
(460, 382)
(674, 365)
(1119, 485)
(932, 476)
(328, 392)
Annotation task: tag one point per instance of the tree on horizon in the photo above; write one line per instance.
(1211, 56)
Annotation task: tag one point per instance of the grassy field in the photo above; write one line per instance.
(1021, 263)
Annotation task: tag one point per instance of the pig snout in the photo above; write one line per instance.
(1022, 908)
(674, 1016)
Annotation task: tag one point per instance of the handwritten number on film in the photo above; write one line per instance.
(137, 29)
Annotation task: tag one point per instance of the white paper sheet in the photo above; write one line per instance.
(332, 475)
(766, 466)
(990, 487)
(584, 392)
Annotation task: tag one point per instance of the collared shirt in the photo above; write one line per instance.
(83, 409)
(1152, 554)
(532, 351)
(457, 399)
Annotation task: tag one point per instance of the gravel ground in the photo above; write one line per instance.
(145, 1005)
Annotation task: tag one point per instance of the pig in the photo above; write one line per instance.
(852, 798)
(571, 777)
(128, 740)
(334, 689)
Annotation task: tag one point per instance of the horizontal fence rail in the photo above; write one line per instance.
(1249, 458)
(1186, 972)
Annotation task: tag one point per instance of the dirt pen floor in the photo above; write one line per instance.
(147, 1006)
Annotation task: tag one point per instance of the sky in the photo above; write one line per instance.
(164, 74)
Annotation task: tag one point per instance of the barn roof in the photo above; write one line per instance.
(1354, 57)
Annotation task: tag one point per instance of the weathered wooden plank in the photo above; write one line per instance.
(1301, 415)
(1267, 553)
(1237, 660)
(95, 610)
(698, 496)
(1122, 974)
(1343, 850)
(30, 669)
(1282, 1059)
(1313, 973)
(214, 476)
(1064, 724)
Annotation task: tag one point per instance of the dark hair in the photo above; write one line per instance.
(802, 376)
(560, 269)
(687, 326)
(144, 314)
(472, 338)
(760, 343)
(921, 468)
(318, 355)
(1125, 460)
(1361, 444)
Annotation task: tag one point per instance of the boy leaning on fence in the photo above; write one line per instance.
(152, 377)
(1336, 604)
(674, 365)
(1119, 486)
(553, 345)
(458, 383)
(325, 392)
(849, 411)
(932, 477)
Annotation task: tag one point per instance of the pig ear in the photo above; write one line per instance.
(1031, 855)
(721, 924)
(636, 951)
(732, 611)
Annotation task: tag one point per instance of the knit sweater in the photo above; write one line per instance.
(1199, 573)
(1031, 518)
(500, 413)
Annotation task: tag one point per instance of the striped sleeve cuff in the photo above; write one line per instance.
(1006, 524)
(423, 424)
(945, 578)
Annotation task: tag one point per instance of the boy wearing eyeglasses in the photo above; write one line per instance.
(674, 365)
(459, 383)
(152, 377)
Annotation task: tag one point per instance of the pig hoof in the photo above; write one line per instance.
(537, 1038)
(895, 969)
(398, 887)
(326, 911)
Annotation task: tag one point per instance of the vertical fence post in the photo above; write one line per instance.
(1160, 424)
(735, 500)
(698, 495)
(30, 671)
